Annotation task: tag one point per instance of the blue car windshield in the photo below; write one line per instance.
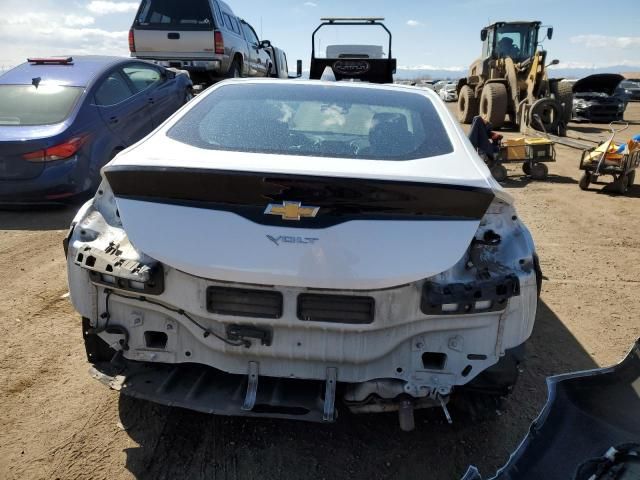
(27, 105)
(315, 120)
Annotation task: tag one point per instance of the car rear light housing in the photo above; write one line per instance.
(58, 152)
(132, 41)
(218, 42)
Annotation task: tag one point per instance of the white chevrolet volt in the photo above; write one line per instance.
(291, 249)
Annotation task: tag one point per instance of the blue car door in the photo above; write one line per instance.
(127, 115)
(159, 90)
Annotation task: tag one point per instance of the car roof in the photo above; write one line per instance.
(83, 70)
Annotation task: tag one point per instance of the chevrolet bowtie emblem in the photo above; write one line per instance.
(291, 210)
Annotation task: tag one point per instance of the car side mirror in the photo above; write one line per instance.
(298, 68)
(550, 33)
(555, 61)
(483, 34)
(265, 44)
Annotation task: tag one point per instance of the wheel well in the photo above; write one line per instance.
(238, 58)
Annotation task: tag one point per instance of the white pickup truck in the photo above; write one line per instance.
(203, 37)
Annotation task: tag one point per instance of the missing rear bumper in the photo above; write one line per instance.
(208, 390)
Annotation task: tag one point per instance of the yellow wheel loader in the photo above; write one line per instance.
(510, 80)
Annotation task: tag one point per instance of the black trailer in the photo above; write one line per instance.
(353, 65)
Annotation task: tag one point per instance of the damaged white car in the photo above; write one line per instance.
(291, 249)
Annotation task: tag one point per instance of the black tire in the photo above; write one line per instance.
(526, 168)
(493, 104)
(563, 93)
(468, 105)
(499, 172)
(549, 112)
(621, 185)
(234, 70)
(585, 180)
(539, 171)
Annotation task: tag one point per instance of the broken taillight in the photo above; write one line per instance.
(57, 152)
(219, 42)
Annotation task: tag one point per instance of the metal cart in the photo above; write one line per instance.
(619, 161)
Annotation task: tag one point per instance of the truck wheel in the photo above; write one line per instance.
(585, 180)
(468, 105)
(526, 168)
(539, 171)
(563, 93)
(631, 177)
(493, 104)
(234, 70)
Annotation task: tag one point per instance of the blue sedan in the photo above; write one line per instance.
(62, 119)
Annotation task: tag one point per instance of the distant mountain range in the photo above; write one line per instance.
(556, 72)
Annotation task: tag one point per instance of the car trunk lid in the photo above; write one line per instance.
(18, 141)
(296, 229)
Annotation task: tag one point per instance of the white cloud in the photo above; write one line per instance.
(310, 4)
(103, 7)
(78, 21)
(604, 41)
(413, 23)
(49, 33)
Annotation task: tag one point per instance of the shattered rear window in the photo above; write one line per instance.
(315, 120)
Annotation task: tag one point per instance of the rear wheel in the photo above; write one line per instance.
(234, 70)
(493, 104)
(526, 168)
(468, 105)
(621, 185)
(539, 171)
(585, 180)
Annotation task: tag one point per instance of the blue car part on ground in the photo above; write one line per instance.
(589, 429)
(63, 119)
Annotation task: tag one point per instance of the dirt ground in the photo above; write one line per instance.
(56, 422)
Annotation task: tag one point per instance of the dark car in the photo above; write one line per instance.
(631, 89)
(61, 120)
(595, 99)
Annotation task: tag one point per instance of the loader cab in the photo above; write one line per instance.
(517, 40)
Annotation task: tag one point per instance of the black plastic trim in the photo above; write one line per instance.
(498, 290)
(339, 199)
(336, 308)
(243, 302)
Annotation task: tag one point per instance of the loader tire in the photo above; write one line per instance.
(563, 92)
(468, 105)
(493, 104)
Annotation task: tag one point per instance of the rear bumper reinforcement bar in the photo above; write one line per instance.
(206, 389)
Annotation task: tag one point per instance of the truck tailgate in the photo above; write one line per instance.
(166, 44)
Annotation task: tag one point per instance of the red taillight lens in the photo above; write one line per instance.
(58, 152)
(219, 43)
(132, 41)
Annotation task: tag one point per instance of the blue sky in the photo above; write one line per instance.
(441, 34)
